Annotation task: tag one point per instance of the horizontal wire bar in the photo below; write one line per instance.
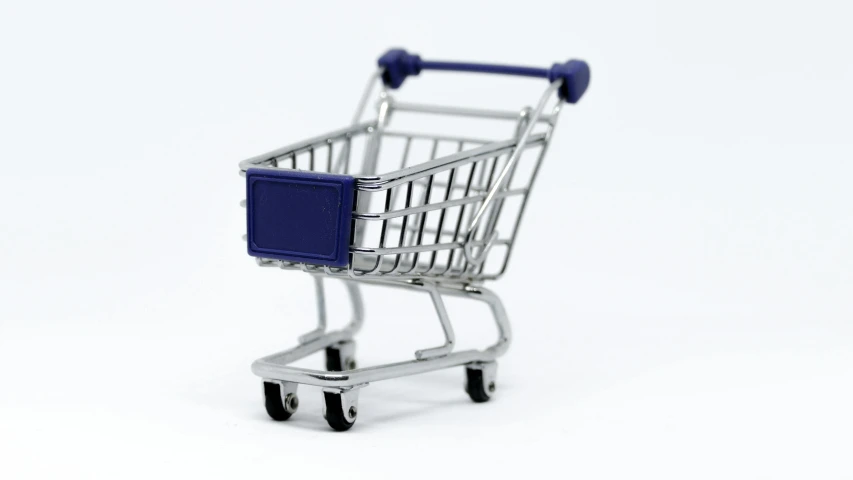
(454, 187)
(381, 182)
(462, 111)
(406, 249)
(420, 248)
(434, 206)
(440, 137)
(307, 144)
(414, 228)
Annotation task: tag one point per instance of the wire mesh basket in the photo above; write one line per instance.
(377, 203)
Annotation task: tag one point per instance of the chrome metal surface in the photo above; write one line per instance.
(436, 213)
(276, 366)
(500, 183)
(446, 327)
(466, 112)
(447, 227)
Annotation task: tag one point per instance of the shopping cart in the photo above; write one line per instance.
(442, 220)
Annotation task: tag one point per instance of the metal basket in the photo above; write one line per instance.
(443, 219)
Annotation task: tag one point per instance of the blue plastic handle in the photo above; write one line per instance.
(397, 64)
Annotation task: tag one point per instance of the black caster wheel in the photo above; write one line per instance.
(341, 409)
(341, 356)
(280, 400)
(480, 381)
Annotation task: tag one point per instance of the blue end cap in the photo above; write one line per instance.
(575, 76)
(299, 216)
(398, 65)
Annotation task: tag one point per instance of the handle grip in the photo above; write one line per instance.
(397, 65)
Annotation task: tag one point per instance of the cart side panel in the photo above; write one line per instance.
(299, 216)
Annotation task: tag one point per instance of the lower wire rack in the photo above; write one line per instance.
(341, 403)
(342, 380)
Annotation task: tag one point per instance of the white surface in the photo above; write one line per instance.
(695, 321)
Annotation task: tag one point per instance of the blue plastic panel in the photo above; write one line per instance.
(299, 216)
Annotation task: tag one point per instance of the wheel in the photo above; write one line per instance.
(340, 357)
(337, 415)
(279, 407)
(480, 382)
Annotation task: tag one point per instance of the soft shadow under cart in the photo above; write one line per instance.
(443, 221)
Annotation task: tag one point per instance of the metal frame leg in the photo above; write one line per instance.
(276, 366)
(357, 312)
(449, 335)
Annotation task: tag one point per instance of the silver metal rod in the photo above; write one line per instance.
(441, 220)
(498, 185)
(406, 249)
(276, 369)
(421, 224)
(428, 136)
(275, 366)
(433, 206)
(402, 166)
(461, 111)
(530, 182)
(371, 154)
(305, 145)
(446, 327)
(362, 103)
(381, 182)
(422, 248)
(397, 261)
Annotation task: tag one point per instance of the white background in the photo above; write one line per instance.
(682, 290)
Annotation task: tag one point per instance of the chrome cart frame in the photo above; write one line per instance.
(441, 224)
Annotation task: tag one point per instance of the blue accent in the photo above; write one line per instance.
(575, 75)
(299, 216)
(397, 65)
(486, 68)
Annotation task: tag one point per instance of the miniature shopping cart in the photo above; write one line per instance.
(380, 204)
